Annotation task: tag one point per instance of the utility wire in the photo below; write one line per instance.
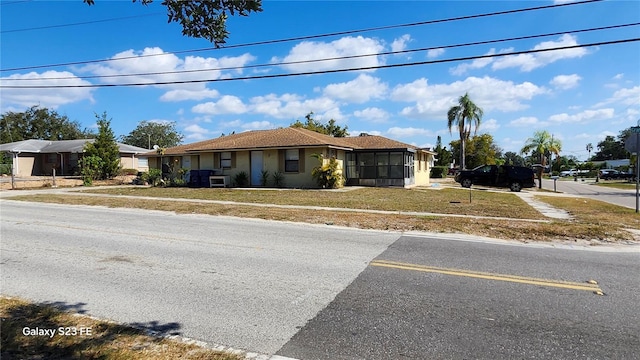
(308, 37)
(272, 76)
(79, 23)
(335, 58)
(3, 3)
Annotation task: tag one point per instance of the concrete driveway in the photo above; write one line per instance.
(587, 188)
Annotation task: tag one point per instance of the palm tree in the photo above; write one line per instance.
(465, 115)
(589, 148)
(541, 144)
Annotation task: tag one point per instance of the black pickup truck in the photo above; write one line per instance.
(513, 177)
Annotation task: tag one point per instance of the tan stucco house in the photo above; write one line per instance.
(40, 157)
(365, 160)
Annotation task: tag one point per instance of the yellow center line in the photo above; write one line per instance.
(488, 276)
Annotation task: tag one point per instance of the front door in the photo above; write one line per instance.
(256, 168)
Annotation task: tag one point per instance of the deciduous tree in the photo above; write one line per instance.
(330, 128)
(39, 123)
(149, 133)
(205, 19)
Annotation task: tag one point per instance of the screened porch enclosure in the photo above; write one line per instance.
(380, 168)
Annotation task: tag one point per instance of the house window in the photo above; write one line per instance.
(292, 160)
(225, 160)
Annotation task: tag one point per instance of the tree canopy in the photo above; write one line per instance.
(105, 149)
(481, 149)
(612, 148)
(149, 133)
(41, 124)
(466, 115)
(330, 128)
(205, 19)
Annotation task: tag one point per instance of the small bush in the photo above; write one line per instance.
(439, 172)
(5, 169)
(328, 176)
(264, 178)
(153, 177)
(278, 179)
(241, 179)
(125, 172)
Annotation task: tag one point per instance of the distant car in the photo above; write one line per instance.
(610, 174)
(513, 177)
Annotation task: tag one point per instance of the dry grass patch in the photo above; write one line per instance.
(502, 229)
(444, 201)
(595, 213)
(105, 341)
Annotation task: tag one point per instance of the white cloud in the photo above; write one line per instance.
(526, 121)
(291, 106)
(434, 53)
(153, 65)
(183, 94)
(196, 132)
(400, 43)
(475, 64)
(528, 62)
(583, 117)
(618, 76)
(565, 82)
(489, 125)
(398, 132)
(433, 101)
(227, 104)
(258, 125)
(627, 96)
(50, 98)
(361, 89)
(372, 114)
(346, 46)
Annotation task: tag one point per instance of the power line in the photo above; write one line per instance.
(467, 58)
(79, 23)
(336, 58)
(3, 3)
(308, 37)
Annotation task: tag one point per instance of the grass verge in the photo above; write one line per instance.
(559, 230)
(618, 185)
(99, 340)
(444, 201)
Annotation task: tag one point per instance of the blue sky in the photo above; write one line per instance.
(580, 95)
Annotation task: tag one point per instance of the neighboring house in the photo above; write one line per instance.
(40, 157)
(366, 160)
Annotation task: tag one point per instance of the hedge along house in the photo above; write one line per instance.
(40, 157)
(365, 160)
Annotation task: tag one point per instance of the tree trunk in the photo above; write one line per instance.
(462, 150)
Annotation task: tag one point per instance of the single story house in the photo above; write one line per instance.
(39, 157)
(365, 160)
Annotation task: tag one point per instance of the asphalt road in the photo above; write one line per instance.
(626, 198)
(321, 292)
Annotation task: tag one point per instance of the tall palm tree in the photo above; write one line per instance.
(465, 115)
(589, 148)
(542, 143)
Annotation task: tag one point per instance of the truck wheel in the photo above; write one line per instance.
(466, 183)
(515, 186)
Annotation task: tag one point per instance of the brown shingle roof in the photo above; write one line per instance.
(284, 138)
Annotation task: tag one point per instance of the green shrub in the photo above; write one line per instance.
(327, 175)
(5, 169)
(241, 179)
(278, 179)
(264, 178)
(439, 172)
(125, 172)
(153, 177)
(90, 169)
